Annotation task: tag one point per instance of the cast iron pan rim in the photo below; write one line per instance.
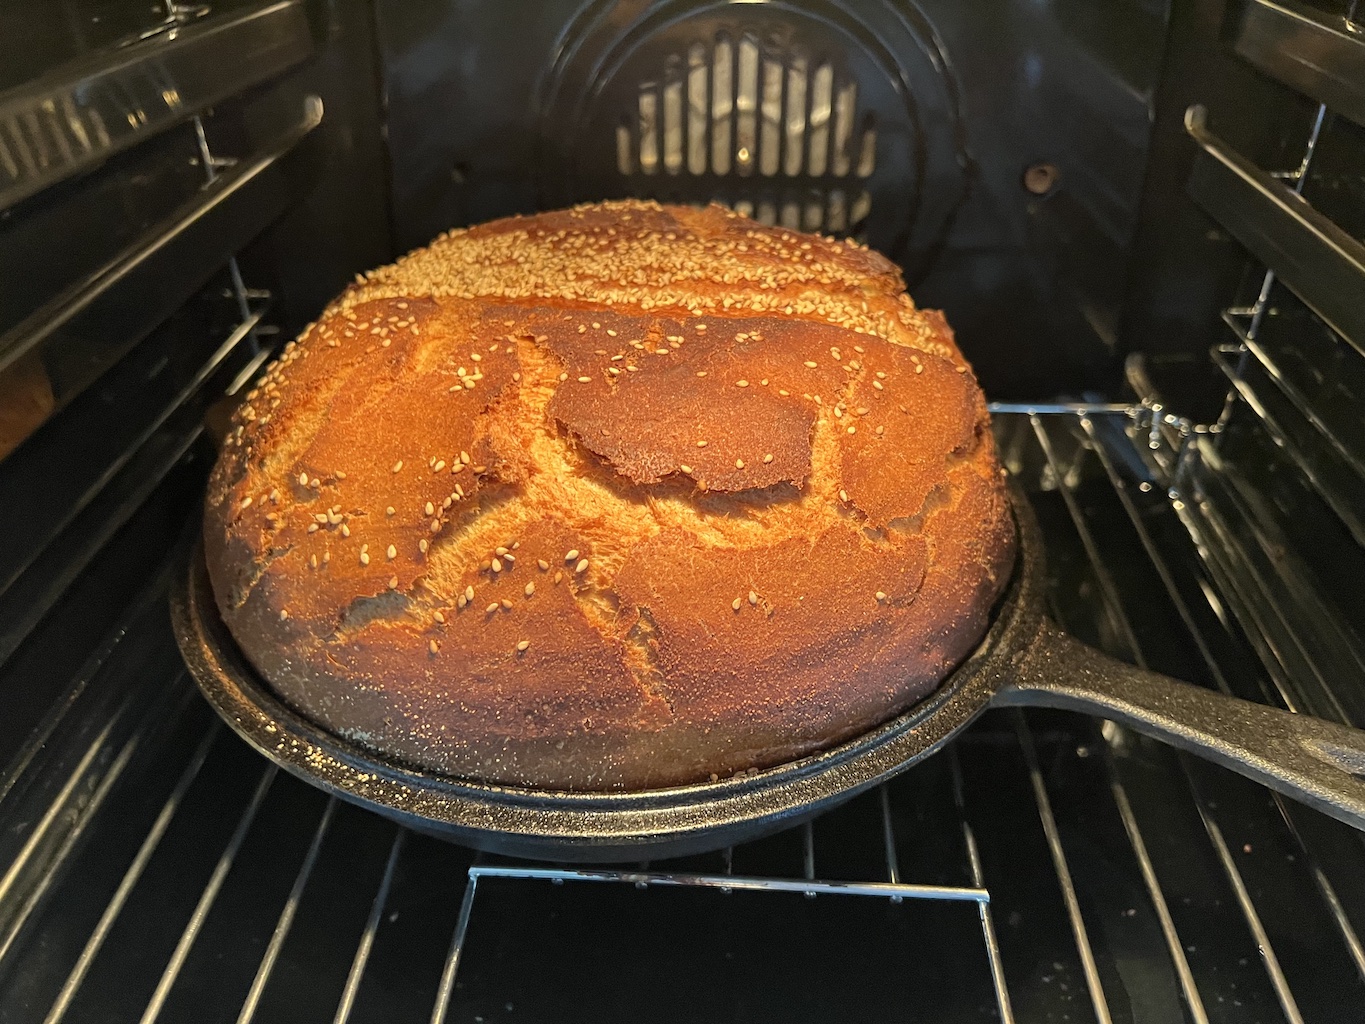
(301, 747)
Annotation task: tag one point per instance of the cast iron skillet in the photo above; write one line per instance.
(1023, 660)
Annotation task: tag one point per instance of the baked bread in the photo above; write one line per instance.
(617, 497)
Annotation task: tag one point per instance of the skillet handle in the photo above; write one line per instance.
(1317, 762)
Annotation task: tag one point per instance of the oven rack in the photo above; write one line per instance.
(1106, 877)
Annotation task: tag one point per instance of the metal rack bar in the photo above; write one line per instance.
(1230, 870)
(452, 964)
(362, 952)
(1308, 50)
(983, 907)
(1343, 506)
(1059, 865)
(1315, 258)
(755, 883)
(206, 898)
(88, 110)
(131, 876)
(893, 874)
(286, 918)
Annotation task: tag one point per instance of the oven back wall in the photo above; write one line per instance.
(995, 149)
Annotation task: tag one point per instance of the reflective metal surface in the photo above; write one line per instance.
(1307, 49)
(82, 113)
(1319, 261)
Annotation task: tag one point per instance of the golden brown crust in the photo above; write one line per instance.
(616, 497)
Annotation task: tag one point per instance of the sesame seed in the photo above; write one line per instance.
(500, 550)
(701, 373)
(582, 564)
(701, 444)
(390, 510)
(345, 530)
(596, 326)
(392, 552)
(881, 375)
(852, 430)
(469, 593)
(303, 479)
(509, 558)
(431, 509)
(843, 494)
(542, 564)
(881, 431)
(919, 367)
(881, 595)
(736, 603)
(315, 483)
(811, 364)
(469, 383)
(522, 645)
(313, 561)
(284, 614)
(246, 502)
(491, 608)
(312, 527)
(753, 597)
(877, 384)
(739, 463)
(476, 357)
(496, 565)
(438, 615)
(460, 601)
(701, 327)
(741, 383)
(610, 333)
(764, 382)
(422, 545)
(563, 377)
(530, 589)
(863, 410)
(433, 646)
(398, 465)
(275, 495)
(506, 605)
(435, 526)
(440, 465)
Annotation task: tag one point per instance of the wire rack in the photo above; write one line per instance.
(1046, 866)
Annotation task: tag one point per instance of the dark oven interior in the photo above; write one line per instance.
(1143, 218)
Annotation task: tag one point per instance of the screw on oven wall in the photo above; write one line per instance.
(1040, 179)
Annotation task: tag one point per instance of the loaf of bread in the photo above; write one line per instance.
(617, 497)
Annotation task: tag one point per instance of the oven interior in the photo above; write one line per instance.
(1143, 218)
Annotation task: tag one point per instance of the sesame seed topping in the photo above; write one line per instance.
(431, 509)
(596, 326)
(469, 593)
(398, 465)
(315, 483)
(392, 552)
(783, 391)
(919, 367)
(563, 377)
(753, 597)
(469, 383)
(522, 645)
(739, 463)
(610, 333)
(433, 646)
(701, 444)
(741, 383)
(736, 603)
(542, 564)
(422, 545)
(701, 373)
(584, 380)
(496, 565)
(390, 510)
(246, 502)
(881, 431)
(345, 530)
(440, 465)
(852, 430)
(881, 375)
(460, 601)
(530, 589)
(491, 608)
(843, 494)
(810, 364)
(877, 384)
(284, 614)
(582, 564)
(506, 605)
(881, 595)
(303, 479)
(312, 527)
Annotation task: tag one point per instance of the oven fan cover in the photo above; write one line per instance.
(837, 118)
